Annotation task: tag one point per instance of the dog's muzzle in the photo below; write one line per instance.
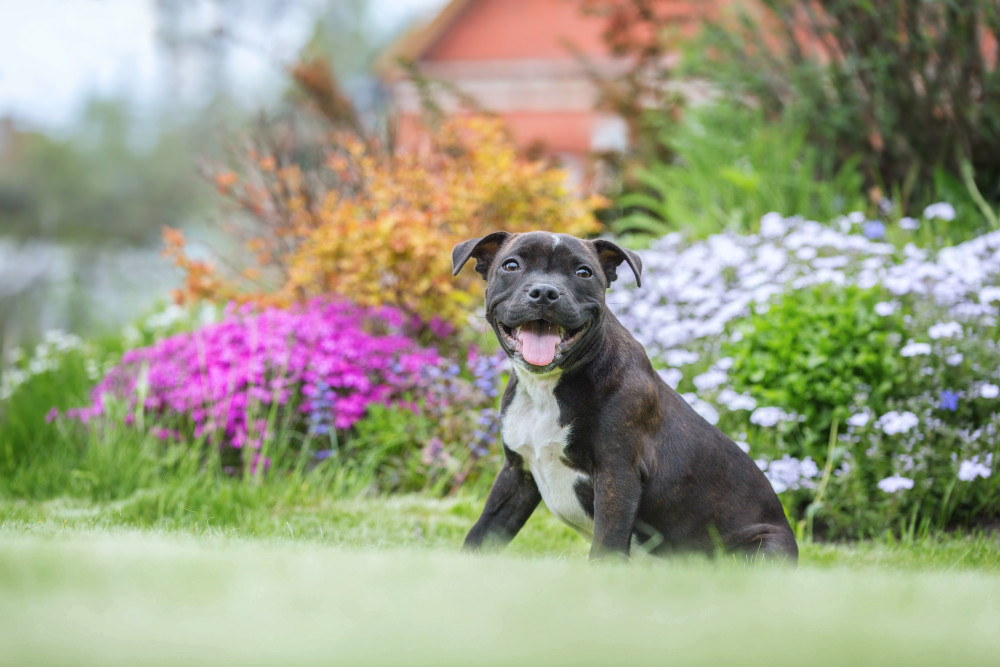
(540, 342)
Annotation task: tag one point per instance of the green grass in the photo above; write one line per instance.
(258, 515)
(117, 549)
(228, 571)
(109, 596)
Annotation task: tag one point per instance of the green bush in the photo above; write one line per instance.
(811, 351)
(730, 168)
(877, 421)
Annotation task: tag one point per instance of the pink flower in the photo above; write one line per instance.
(321, 358)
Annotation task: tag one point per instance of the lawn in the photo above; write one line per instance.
(378, 581)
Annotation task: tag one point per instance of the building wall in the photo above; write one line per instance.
(521, 60)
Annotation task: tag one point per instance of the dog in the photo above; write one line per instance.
(588, 425)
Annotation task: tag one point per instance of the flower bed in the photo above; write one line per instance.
(862, 378)
(308, 373)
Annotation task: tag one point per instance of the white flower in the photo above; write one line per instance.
(969, 470)
(772, 224)
(671, 376)
(168, 317)
(909, 224)
(988, 294)
(885, 308)
(912, 349)
(734, 401)
(859, 419)
(789, 473)
(988, 390)
(745, 446)
(893, 423)
(805, 253)
(945, 330)
(954, 359)
(895, 483)
(680, 357)
(703, 408)
(710, 379)
(770, 416)
(131, 336)
(941, 210)
(808, 468)
(856, 217)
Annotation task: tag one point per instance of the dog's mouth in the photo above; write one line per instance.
(540, 342)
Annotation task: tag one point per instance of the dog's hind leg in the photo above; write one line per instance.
(763, 541)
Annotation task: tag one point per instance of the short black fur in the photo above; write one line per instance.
(656, 473)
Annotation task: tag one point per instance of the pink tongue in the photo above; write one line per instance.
(538, 343)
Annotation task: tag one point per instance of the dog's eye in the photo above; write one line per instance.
(511, 265)
(584, 272)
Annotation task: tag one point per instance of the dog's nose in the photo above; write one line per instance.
(543, 294)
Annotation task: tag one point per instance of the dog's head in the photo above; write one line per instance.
(545, 292)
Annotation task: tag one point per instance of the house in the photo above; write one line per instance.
(520, 59)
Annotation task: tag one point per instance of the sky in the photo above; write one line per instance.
(55, 53)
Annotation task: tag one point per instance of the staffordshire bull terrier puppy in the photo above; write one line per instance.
(589, 427)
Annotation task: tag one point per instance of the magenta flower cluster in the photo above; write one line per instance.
(327, 360)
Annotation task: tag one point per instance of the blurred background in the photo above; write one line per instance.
(814, 188)
(107, 109)
(119, 118)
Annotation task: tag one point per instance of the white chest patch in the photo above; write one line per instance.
(531, 428)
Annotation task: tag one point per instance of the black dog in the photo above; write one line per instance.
(590, 428)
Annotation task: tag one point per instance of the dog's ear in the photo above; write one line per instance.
(611, 255)
(484, 250)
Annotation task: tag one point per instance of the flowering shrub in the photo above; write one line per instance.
(789, 334)
(377, 226)
(347, 383)
(811, 352)
(449, 438)
(20, 367)
(221, 380)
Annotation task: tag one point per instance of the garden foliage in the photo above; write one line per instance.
(910, 89)
(730, 167)
(377, 225)
(303, 377)
(863, 379)
(813, 350)
(861, 376)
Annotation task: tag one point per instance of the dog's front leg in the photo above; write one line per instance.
(617, 491)
(512, 499)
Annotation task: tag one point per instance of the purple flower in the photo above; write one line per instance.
(949, 400)
(327, 359)
(873, 229)
(259, 464)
